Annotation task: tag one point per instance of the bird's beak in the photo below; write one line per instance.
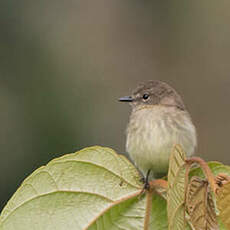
(126, 99)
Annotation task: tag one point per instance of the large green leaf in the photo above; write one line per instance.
(94, 188)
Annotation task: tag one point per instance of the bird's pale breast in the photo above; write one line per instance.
(153, 131)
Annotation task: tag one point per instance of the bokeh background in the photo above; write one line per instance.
(64, 64)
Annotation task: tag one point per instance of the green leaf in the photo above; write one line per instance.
(159, 214)
(94, 188)
(131, 214)
(176, 189)
(215, 166)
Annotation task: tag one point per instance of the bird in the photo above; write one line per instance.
(158, 121)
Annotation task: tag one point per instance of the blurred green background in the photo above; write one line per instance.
(64, 64)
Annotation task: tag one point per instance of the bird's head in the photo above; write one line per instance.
(153, 93)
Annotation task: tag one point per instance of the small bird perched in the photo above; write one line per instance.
(158, 121)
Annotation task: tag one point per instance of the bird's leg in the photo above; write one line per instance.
(145, 180)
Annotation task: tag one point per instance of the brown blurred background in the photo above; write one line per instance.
(64, 64)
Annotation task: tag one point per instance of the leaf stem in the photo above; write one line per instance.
(158, 183)
(207, 171)
(149, 198)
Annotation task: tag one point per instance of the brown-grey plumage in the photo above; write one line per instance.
(158, 121)
(158, 93)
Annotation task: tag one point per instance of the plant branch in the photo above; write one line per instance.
(207, 171)
(148, 209)
(158, 183)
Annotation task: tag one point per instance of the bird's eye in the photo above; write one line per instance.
(145, 96)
